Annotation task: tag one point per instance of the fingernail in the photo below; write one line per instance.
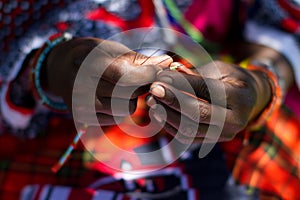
(151, 102)
(158, 91)
(158, 117)
(189, 132)
(165, 57)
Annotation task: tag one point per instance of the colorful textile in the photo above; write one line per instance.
(270, 162)
(279, 31)
(35, 138)
(25, 170)
(34, 144)
(213, 26)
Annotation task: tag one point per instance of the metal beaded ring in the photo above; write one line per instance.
(37, 66)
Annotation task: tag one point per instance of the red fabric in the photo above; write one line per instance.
(292, 99)
(26, 162)
(270, 162)
(293, 10)
(81, 194)
(211, 18)
(290, 25)
(146, 18)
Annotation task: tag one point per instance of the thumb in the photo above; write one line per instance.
(139, 76)
(163, 60)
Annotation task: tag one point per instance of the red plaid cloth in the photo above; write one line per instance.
(25, 171)
(270, 162)
(25, 165)
(26, 162)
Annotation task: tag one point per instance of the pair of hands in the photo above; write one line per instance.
(127, 70)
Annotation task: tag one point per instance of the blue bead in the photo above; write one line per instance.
(43, 55)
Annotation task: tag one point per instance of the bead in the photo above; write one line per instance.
(42, 56)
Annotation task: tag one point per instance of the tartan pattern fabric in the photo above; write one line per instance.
(286, 17)
(29, 161)
(25, 171)
(270, 163)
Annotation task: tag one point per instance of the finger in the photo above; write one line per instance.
(230, 121)
(185, 139)
(174, 132)
(113, 48)
(163, 60)
(127, 74)
(210, 133)
(111, 90)
(192, 107)
(202, 87)
(171, 123)
(183, 124)
(115, 106)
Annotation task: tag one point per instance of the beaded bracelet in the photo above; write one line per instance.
(37, 64)
(271, 66)
(276, 100)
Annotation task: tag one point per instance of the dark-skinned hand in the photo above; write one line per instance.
(126, 71)
(188, 97)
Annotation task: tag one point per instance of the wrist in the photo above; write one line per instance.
(63, 63)
(263, 92)
(265, 111)
(39, 63)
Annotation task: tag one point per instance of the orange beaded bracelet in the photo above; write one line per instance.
(275, 102)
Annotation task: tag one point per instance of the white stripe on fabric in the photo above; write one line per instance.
(29, 192)
(60, 192)
(130, 184)
(103, 194)
(44, 192)
(13, 117)
(191, 194)
(166, 150)
(184, 182)
(120, 197)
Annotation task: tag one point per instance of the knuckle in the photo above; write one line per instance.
(189, 130)
(196, 113)
(204, 112)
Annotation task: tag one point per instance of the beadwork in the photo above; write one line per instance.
(37, 66)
